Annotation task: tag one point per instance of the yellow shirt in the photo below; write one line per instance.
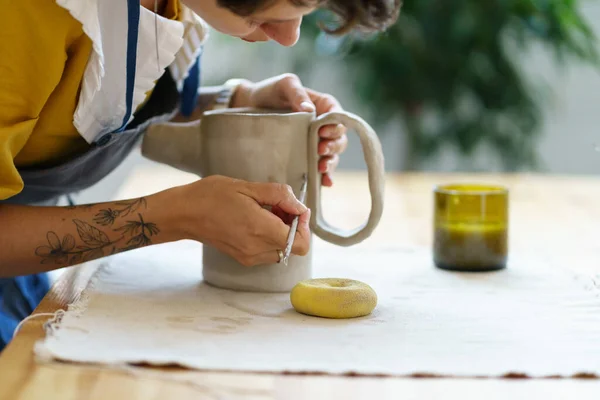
(43, 56)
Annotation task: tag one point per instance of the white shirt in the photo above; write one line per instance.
(102, 102)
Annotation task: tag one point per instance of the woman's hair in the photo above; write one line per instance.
(365, 15)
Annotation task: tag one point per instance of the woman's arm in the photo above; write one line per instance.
(226, 213)
(39, 239)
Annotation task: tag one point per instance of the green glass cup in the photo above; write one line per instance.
(470, 227)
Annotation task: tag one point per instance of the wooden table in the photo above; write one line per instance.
(557, 215)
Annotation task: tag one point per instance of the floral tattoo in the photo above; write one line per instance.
(95, 243)
(107, 216)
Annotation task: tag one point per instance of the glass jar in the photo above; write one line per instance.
(470, 227)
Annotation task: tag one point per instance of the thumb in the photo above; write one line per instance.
(296, 94)
(276, 194)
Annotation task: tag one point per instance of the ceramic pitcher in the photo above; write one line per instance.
(266, 146)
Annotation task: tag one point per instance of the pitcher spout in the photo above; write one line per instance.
(175, 144)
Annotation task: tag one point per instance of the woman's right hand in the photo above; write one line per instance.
(225, 213)
(230, 215)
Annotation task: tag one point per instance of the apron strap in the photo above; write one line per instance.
(191, 84)
(133, 21)
(189, 92)
(70, 200)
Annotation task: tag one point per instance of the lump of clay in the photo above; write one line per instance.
(333, 298)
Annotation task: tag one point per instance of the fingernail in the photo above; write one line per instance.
(329, 133)
(306, 106)
(328, 166)
(301, 208)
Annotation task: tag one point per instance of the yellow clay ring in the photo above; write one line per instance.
(333, 298)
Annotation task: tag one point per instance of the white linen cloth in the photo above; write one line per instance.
(151, 306)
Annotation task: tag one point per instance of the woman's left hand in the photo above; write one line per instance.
(286, 91)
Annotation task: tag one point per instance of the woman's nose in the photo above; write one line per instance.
(285, 33)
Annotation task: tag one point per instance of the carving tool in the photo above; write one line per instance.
(294, 228)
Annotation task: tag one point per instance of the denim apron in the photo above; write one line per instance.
(19, 296)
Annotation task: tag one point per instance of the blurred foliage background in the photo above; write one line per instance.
(450, 70)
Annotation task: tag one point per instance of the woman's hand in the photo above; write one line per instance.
(286, 91)
(230, 215)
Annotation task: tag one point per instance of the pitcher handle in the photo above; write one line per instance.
(373, 155)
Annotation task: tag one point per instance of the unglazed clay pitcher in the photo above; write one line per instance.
(266, 146)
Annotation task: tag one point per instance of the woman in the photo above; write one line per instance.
(80, 82)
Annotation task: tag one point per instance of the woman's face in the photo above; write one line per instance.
(279, 22)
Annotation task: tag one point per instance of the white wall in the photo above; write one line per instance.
(571, 140)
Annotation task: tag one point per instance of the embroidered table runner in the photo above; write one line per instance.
(151, 306)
